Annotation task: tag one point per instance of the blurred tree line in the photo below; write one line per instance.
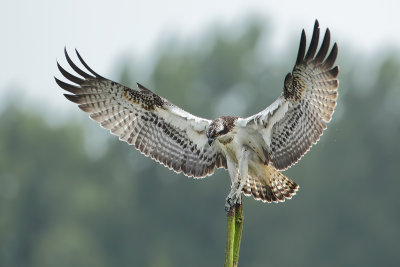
(67, 201)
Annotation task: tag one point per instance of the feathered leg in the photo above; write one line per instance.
(234, 196)
(233, 174)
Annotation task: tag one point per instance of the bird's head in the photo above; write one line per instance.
(219, 127)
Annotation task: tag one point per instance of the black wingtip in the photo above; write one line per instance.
(86, 65)
(324, 47)
(316, 24)
(302, 48)
(72, 98)
(69, 76)
(142, 88)
(68, 87)
(314, 43)
(335, 71)
(75, 68)
(330, 60)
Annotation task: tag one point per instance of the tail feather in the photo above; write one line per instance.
(273, 186)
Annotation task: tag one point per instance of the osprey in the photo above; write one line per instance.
(254, 150)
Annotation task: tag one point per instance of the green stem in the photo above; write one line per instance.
(238, 233)
(230, 238)
(234, 235)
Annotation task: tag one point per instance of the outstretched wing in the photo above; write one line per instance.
(296, 120)
(155, 126)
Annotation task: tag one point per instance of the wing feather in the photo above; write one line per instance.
(156, 127)
(302, 48)
(297, 119)
(314, 43)
(74, 67)
(324, 48)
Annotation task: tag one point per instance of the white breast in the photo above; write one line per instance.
(241, 136)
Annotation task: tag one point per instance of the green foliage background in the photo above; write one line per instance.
(70, 195)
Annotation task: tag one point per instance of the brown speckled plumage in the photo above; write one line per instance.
(257, 147)
(221, 125)
(134, 116)
(273, 186)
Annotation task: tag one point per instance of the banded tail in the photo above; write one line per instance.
(272, 186)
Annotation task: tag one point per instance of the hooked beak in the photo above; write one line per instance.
(210, 140)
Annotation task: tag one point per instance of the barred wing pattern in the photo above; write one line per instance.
(155, 126)
(297, 119)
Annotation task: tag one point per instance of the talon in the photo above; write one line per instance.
(238, 198)
(234, 198)
(227, 208)
(228, 205)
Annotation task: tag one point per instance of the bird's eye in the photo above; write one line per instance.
(216, 134)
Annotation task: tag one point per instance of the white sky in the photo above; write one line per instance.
(33, 33)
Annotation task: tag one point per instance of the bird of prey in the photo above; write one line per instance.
(254, 150)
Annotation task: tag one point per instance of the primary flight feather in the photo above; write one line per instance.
(253, 149)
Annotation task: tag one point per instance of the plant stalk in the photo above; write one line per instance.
(230, 237)
(234, 235)
(238, 234)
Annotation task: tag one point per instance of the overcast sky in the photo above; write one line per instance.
(34, 33)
